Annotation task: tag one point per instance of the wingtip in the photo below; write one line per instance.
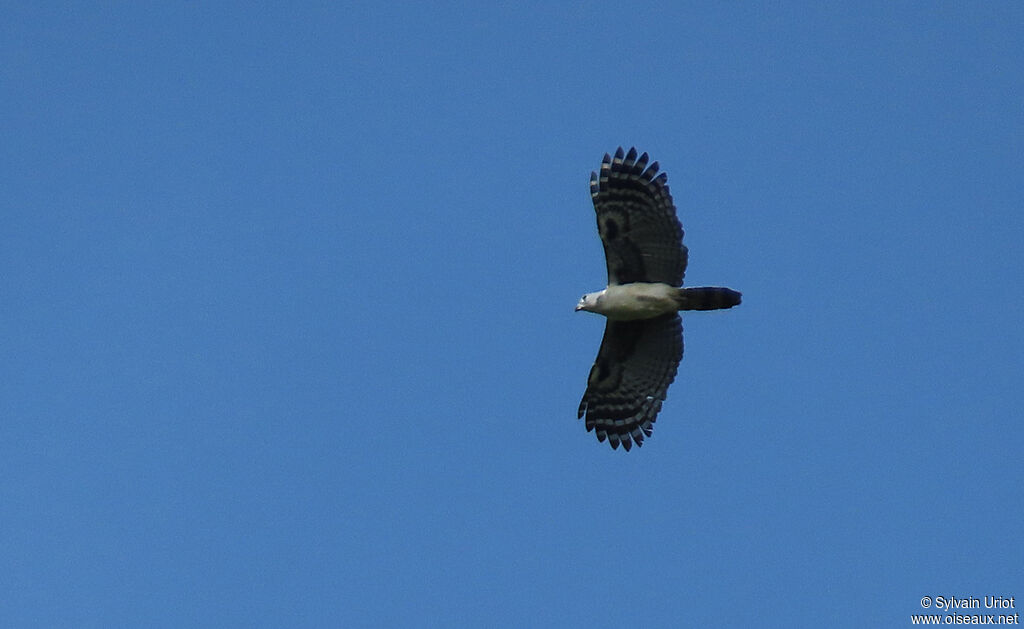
(641, 164)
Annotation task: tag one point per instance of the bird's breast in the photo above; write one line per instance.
(627, 302)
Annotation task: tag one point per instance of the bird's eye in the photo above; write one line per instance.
(583, 299)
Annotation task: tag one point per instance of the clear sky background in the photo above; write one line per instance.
(287, 328)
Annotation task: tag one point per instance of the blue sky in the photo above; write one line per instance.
(287, 314)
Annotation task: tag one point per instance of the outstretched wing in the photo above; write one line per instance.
(643, 240)
(627, 384)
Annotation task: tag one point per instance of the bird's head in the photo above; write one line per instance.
(588, 301)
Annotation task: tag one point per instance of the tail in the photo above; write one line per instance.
(707, 298)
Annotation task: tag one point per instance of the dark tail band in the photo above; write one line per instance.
(708, 298)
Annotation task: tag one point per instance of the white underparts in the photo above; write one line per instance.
(625, 302)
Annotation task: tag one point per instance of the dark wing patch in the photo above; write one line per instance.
(628, 382)
(643, 240)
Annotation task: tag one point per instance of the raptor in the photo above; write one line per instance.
(643, 336)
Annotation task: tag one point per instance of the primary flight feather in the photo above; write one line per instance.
(643, 338)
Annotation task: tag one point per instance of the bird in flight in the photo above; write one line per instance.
(643, 337)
